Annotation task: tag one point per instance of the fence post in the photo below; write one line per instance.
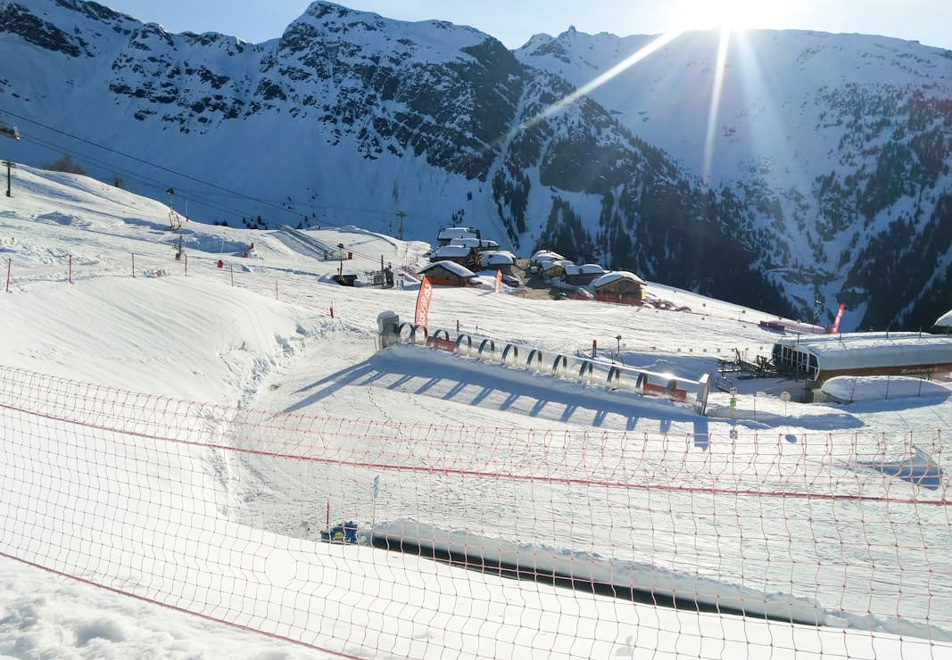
(133, 264)
(9, 264)
(70, 269)
(232, 269)
(186, 265)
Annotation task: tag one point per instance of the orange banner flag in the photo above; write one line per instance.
(423, 302)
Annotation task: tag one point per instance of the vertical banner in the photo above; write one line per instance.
(498, 281)
(423, 302)
(836, 321)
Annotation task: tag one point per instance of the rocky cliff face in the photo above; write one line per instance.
(832, 186)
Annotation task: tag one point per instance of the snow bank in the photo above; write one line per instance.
(875, 388)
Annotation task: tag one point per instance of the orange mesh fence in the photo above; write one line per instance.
(373, 539)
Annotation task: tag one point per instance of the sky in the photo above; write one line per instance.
(925, 21)
(157, 358)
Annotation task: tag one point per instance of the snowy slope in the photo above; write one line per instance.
(269, 342)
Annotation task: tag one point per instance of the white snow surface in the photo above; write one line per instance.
(880, 388)
(95, 295)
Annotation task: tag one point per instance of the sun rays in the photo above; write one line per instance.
(731, 18)
(597, 82)
(715, 107)
(654, 46)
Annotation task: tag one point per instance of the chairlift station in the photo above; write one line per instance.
(817, 358)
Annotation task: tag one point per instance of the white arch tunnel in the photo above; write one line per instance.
(580, 369)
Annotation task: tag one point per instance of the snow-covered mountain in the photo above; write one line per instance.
(836, 149)
(828, 178)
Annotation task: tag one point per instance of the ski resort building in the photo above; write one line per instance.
(620, 287)
(449, 235)
(497, 260)
(583, 275)
(448, 273)
(479, 245)
(544, 255)
(462, 255)
(500, 261)
(818, 358)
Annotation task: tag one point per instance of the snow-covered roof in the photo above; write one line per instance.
(451, 266)
(497, 258)
(873, 349)
(456, 232)
(473, 242)
(546, 255)
(944, 321)
(591, 269)
(585, 269)
(608, 278)
(546, 264)
(450, 252)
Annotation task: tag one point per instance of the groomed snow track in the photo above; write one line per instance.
(320, 250)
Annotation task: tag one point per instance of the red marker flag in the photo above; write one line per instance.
(423, 302)
(498, 281)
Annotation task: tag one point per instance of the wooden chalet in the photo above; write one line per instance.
(583, 275)
(619, 287)
(459, 254)
(503, 261)
(449, 235)
(553, 269)
(449, 273)
(479, 245)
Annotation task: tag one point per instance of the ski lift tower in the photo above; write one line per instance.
(175, 222)
(12, 133)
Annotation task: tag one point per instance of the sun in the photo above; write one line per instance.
(730, 14)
